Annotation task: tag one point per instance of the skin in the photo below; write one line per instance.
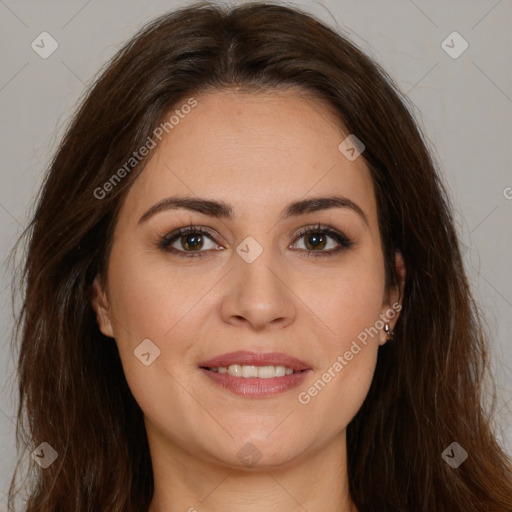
(258, 152)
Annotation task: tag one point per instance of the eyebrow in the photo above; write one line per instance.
(220, 209)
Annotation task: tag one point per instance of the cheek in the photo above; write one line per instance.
(149, 298)
(340, 386)
(347, 299)
(348, 306)
(152, 300)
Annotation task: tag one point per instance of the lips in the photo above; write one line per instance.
(256, 359)
(256, 387)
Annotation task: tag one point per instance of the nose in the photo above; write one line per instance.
(259, 294)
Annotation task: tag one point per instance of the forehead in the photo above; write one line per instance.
(255, 151)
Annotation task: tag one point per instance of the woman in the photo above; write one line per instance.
(242, 231)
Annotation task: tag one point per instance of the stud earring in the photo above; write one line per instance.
(388, 331)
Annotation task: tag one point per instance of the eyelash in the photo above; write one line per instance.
(343, 241)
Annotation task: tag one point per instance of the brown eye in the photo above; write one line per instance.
(316, 239)
(187, 242)
(192, 241)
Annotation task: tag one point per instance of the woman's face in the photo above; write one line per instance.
(256, 170)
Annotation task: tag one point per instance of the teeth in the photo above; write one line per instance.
(249, 371)
(263, 372)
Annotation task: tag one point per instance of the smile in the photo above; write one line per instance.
(246, 371)
(255, 374)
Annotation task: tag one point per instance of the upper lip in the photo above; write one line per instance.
(256, 359)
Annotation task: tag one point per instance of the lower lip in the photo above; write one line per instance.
(254, 386)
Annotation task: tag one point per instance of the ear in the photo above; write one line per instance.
(393, 304)
(101, 307)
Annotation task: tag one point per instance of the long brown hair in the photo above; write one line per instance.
(427, 388)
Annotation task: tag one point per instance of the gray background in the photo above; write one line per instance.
(463, 104)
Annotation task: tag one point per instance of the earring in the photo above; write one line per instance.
(388, 331)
